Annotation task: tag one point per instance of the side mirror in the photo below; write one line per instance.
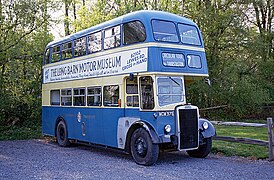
(207, 81)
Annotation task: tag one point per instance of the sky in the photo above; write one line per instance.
(57, 29)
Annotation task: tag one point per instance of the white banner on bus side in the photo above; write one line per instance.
(131, 61)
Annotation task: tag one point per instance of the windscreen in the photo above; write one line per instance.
(170, 90)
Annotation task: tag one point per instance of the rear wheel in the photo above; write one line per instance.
(62, 134)
(143, 151)
(203, 149)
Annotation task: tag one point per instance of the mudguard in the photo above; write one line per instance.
(154, 137)
(210, 131)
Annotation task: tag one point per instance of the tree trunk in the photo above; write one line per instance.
(66, 20)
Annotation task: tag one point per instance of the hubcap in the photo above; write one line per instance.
(141, 147)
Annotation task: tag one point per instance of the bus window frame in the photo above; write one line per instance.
(47, 57)
(62, 50)
(87, 44)
(66, 96)
(51, 97)
(51, 53)
(94, 95)
(152, 91)
(198, 33)
(176, 29)
(79, 96)
(103, 37)
(169, 94)
(73, 46)
(123, 35)
(103, 95)
(132, 95)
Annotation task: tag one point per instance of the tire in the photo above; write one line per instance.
(203, 150)
(62, 134)
(143, 151)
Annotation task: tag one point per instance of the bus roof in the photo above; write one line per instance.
(143, 15)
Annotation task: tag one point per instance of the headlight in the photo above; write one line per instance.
(167, 128)
(205, 125)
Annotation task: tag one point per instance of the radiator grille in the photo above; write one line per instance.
(188, 124)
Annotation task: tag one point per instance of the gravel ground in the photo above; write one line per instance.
(43, 159)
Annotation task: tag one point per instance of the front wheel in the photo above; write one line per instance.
(62, 134)
(143, 151)
(203, 149)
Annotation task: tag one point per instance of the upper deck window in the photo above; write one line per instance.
(133, 32)
(189, 34)
(55, 56)
(80, 46)
(164, 31)
(67, 50)
(94, 42)
(112, 37)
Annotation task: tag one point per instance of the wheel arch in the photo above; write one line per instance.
(58, 119)
(141, 124)
(210, 131)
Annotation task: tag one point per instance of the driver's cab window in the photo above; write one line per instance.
(147, 100)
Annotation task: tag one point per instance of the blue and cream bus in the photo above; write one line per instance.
(121, 84)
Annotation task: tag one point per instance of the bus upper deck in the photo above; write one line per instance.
(143, 41)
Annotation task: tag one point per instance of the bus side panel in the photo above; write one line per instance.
(83, 124)
(158, 122)
(48, 121)
(110, 120)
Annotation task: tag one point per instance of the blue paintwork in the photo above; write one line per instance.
(101, 123)
(155, 55)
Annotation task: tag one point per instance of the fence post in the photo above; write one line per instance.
(270, 138)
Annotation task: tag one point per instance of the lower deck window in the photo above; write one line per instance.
(94, 96)
(111, 95)
(66, 97)
(55, 97)
(79, 97)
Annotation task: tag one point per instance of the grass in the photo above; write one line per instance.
(20, 133)
(239, 149)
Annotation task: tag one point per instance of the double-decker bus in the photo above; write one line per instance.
(121, 84)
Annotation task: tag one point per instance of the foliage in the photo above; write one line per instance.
(240, 58)
(24, 29)
(238, 37)
(235, 65)
(20, 133)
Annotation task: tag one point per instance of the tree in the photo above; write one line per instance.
(24, 35)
